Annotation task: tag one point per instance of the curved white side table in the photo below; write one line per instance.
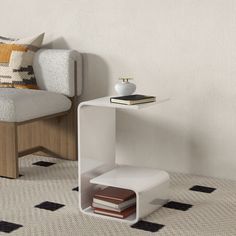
(97, 162)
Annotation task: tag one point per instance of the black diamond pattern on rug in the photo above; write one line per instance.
(76, 189)
(43, 163)
(178, 206)
(147, 226)
(8, 227)
(51, 206)
(202, 189)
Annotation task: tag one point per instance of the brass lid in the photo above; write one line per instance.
(125, 79)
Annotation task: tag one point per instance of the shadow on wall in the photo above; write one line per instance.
(156, 143)
(59, 43)
(95, 77)
(95, 72)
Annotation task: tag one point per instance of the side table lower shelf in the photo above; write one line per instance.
(150, 185)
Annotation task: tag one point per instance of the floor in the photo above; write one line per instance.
(44, 202)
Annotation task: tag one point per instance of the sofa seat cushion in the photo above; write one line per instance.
(17, 105)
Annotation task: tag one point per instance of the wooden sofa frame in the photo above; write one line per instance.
(54, 135)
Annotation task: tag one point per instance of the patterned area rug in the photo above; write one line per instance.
(44, 202)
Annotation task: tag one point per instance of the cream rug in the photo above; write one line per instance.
(209, 211)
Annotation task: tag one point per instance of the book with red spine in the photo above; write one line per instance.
(123, 214)
(117, 194)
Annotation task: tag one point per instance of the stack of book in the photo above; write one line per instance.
(115, 202)
(133, 99)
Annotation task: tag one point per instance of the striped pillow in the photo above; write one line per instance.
(16, 60)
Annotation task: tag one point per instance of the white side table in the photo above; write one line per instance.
(97, 162)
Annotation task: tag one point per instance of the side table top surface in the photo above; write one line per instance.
(105, 102)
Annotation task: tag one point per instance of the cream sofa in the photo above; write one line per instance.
(42, 120)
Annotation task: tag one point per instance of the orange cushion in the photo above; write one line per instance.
(6, 50)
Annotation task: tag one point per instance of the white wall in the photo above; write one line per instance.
(184, 50)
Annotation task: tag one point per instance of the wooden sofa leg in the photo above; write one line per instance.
(60, 136)
(57, 136)
(8, 150)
